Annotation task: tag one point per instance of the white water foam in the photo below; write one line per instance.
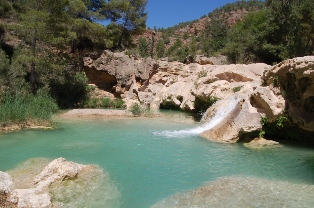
(219, 116)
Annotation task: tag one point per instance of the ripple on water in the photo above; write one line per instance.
(243, 192)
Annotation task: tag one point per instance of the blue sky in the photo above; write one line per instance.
(166, 13)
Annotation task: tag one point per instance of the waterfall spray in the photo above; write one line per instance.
(225, 109)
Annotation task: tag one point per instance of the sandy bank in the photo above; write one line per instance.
(95, 112)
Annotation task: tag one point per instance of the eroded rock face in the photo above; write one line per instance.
(294, 80)
(116, 72)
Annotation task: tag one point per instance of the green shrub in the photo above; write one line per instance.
(280, 121)
(237, 89)
(264, 120)
(276, 81)
(5, 8)
(136, 109)
(201, 74)
(201, 104)
(140, 110)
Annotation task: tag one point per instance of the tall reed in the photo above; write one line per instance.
(19, 109)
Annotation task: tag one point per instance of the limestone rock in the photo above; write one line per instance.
(5, 189)
(25, 198)
(293, 79)
(113, 71)
(5, 183)
(265, 101)
(218, 60)
(237, 117)
(261, 143)
(57, 170)
(202, 60)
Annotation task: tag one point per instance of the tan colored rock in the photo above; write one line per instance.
(257, 143)
(5, 183)
(58, 170)
(202, 60)
(115, 71)
(218, 60)
(5, 189)
(293, 79)
(231, 117)
(26, 198)
(265, 101)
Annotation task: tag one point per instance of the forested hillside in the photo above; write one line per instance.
(245, 31)
(206, 35)
(42, 46)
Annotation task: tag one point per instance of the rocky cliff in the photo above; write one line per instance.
(256, 90)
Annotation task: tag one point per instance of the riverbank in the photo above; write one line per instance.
(27, 125)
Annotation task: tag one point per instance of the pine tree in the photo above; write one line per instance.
(130, 15)
(160, 48)
(143, 47)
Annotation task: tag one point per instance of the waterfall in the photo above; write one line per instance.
(226, 107)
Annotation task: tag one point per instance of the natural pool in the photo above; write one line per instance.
(147, 166)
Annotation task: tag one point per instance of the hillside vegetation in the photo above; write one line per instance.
(245, 31)
(43, 43)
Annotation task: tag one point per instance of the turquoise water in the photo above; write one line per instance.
(146, 166)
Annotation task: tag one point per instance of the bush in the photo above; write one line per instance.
(5, 8)
(201, 74)
(201, 104)
(136, 109)
(237, 89)
(70, 90)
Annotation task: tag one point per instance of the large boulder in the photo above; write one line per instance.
(231, 117)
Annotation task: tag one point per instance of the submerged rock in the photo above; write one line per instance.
(243, 192)
(60, 183)
(261, 143)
